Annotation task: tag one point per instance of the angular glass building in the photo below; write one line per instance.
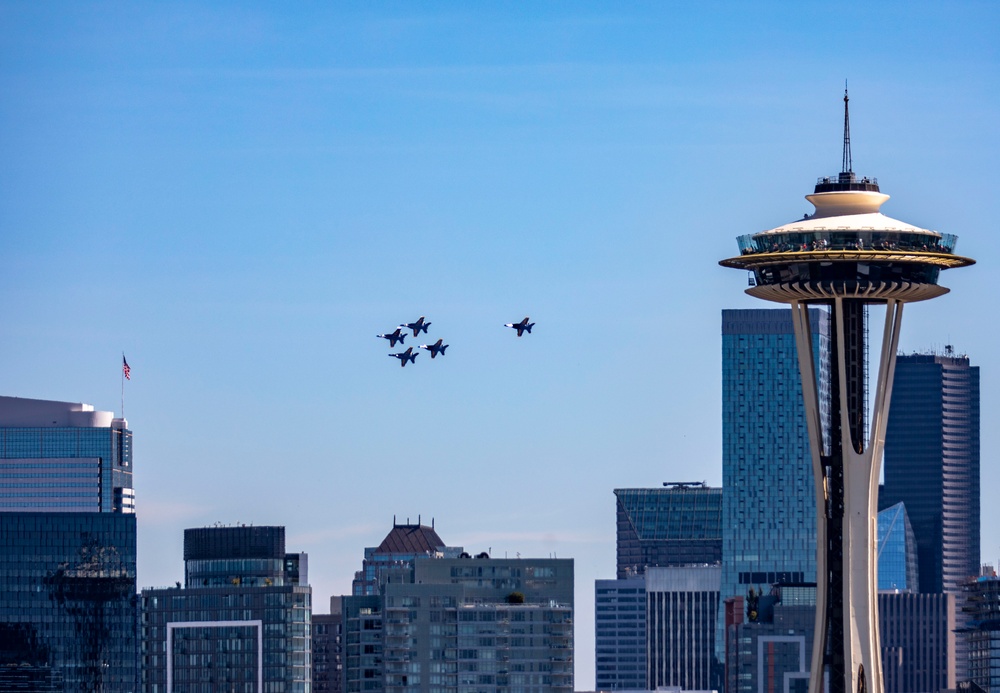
(680, 524)
(897, 551)
(768, 497)
(242, 621)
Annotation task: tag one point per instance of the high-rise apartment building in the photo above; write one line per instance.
(932, 464)
(679, 524)
(402, 546)
(242, 621)
(328, 649)
(768, 496)
(466, 625)
(981, 629)
(67, 549)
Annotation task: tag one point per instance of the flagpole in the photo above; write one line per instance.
(123, 384)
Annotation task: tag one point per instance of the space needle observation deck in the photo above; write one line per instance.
(847, 256)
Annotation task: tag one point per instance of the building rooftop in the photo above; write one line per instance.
(21, 412)
(410, 539)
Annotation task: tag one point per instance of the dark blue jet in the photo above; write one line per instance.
(435, 348)
(405, 356)
(393, 337)
(418, 325)
(521, 327)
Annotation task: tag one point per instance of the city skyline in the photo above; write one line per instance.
(241, 198)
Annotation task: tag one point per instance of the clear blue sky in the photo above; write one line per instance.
(241, 196)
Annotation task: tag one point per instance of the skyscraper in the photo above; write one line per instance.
(63, 457)
(679, 524)
(67, 548)
(241, 621)
(932, 464)
(768, 503)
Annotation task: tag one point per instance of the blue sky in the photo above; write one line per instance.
(241, 196)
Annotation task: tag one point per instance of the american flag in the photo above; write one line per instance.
(125, 369)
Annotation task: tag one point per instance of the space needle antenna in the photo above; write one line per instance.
(846, 166)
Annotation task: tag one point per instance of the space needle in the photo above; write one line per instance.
(847, 256)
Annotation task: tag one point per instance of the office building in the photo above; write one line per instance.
(67, 549)
(67, 601)
(917, 638)
(620, 634)
(679, 524)
(768, 497)
(682, 605)
(63, 457)
(240, 622)
(932, 464)
(769, 636)
(464, 624)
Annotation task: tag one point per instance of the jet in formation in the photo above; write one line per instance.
(435, 348)
(521, 327)
(405, 356)
(394, 337)
(417, 326)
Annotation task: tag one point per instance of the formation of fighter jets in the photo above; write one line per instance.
(438, 347)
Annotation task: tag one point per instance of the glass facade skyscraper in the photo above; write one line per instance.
(897, 551)
(67, 549)
(932, 464)
(680, 524)
(67, 602)
(63, 457)
(768, 497)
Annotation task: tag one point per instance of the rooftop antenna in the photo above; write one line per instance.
(846, 165)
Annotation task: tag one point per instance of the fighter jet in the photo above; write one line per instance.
(393, 337)
(435, 348)
(521, 327)
(417, 326)
(405, 356)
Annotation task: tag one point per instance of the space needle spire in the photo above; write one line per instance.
(846, 166)
(845, 257)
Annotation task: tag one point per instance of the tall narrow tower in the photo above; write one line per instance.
(846, 256)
